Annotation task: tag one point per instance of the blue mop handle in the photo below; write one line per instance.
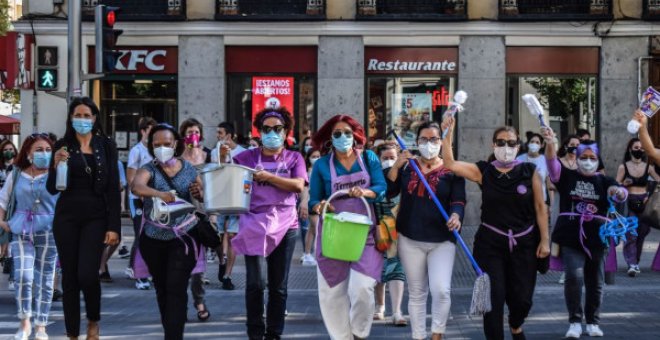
(442, 209)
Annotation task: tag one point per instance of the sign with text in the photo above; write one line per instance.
(410, 110)
(142, 60)
(404, 60)
(271, 92)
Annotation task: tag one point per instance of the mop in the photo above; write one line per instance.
(481, 293)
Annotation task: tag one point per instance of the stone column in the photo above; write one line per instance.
(202, 82)
(340, 78)
(482, 74)
(618, 95)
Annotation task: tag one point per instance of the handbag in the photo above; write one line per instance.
(651, 213)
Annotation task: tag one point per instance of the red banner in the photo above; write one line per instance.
(271, 92)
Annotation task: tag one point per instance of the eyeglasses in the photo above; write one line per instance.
(338, 133)
(424, 140)
(37, 135)
(511, 143)
(268, 129)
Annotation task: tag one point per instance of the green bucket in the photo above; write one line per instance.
(345, 234)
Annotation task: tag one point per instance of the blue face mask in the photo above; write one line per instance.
(41, 159)
(307, 148)
(82, 126)
(343, 143)
(272, 140)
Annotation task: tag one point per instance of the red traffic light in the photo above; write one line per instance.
(110, 18)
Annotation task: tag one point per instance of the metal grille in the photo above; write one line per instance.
(270, 9)
(555, 9)
(412, 9)
(140, 10)
(651, 10)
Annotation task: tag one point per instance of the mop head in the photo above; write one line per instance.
(481, 296)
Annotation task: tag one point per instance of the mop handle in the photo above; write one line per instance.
(442, 209)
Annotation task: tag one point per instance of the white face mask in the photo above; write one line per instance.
(163, 153)
(587, 166)
(429, 150)
(533, 147)
(313, 160)
(388, 163)
(505, 154)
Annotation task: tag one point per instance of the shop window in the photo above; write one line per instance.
(569, 102)
(247, 94)
(404, 103)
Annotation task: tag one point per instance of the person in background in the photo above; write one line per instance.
(254, 143)
(138, 157)
(192, 132)
(346, 289)
(33, 246)
(169, 255)
(634, 175)
(535, 147)
(267, 232)
(513, 235)
(6, 165)
(104, 273)
(308, 233)
(227, 224)
(393, 275)
(306, 146)
(93, 188)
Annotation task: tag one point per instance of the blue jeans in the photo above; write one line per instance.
(588, 272)
(34, 264)
(279, 262)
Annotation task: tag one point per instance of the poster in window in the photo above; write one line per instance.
(272, 92)
(121, 139)
(410, 110)
(132, 138)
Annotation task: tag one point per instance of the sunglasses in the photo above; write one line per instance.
(424, 140)
(37, 135)
(338, 133)
(267, 129)
(503, 142)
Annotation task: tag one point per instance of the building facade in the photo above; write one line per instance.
(391, 64)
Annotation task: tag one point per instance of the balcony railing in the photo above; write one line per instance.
(271, 10)
(142, 10)
(651, 10)
(413, 10)
(587, 10)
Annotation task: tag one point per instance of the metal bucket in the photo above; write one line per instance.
(227, 188)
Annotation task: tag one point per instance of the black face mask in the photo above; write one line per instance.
(571, 149)
(637, 153)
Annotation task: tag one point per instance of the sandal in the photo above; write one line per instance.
(399, 321)
(204, 314)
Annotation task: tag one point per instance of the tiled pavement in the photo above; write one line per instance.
(631, 308)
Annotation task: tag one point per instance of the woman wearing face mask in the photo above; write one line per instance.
(6, 165)
(308, 234)
(32, 208)
(583, 201)
(87, 214)
(169, 254)
(567, 152)
(346, 289)
(513, 234)
(426, 244)
(268, 230)
(634, 175)
(535, 155)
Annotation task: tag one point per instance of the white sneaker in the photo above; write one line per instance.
(11, 285)
(633, 270)
(23, 334)
(379, 313)
(562, 278)
(303, 257)
(594, 330)
(41, 335)
(309, 261)
(129, 273)
(574, 331)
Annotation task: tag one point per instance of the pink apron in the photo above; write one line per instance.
(371, 262)
(272, 213)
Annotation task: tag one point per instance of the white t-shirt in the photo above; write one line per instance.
(138, 157)
(234, 152)
(541, 168)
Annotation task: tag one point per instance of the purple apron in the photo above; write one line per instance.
(371, 263)
(272, 214)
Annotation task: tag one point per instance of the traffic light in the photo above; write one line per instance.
(47, 69)
(106, 38)
(47, 79)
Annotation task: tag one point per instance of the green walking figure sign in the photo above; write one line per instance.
(47, 79)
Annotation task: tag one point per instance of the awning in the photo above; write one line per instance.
(9, 126)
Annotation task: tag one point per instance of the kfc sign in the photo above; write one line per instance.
(385, 60)
(147, 60)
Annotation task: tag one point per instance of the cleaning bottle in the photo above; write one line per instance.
(62, 175)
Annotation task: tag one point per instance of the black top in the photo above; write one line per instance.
(103, 182)
(507, 199)
(641, 181)
(384, 207)
(419, 218)
(578, 194)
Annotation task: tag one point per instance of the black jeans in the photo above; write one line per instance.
(170, 267)
(278, 262)
(588, 272)
(80, 245)
(512, 278)
(137, 223)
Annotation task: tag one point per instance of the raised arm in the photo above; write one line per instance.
(469, 171)
(551, 160)
(645, 137)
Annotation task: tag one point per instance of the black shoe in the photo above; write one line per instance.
(272, 337)
(105, 277)
(519, 336)
(124, 253)
(6, 265)
(221, 271)
(227, 284)
(57, 295)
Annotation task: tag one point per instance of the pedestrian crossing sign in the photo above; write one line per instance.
(47, 79)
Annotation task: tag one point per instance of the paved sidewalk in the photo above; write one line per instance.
(630, 309)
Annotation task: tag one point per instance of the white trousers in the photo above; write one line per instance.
(347, 308)
(428, 266)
